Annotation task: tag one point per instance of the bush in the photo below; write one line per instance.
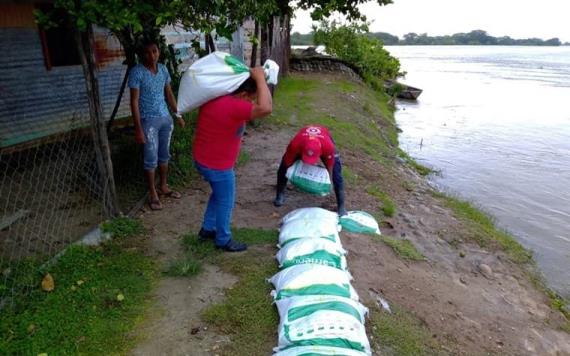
(351, 43)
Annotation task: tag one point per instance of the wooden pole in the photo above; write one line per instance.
(253, 62)
(85, 45)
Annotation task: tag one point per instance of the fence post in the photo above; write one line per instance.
(85, 44)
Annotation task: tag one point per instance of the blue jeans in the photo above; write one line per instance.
(157, 133)
(218, 215)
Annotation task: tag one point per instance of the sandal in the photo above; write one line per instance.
(154, 204)
(171, 194)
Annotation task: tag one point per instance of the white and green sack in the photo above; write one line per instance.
(311, 214)
(316, 350)
(322, 321)
(315, 251)
(360, 222)
(311, 279)
(304, 228)
(215, 75)
(309, 178)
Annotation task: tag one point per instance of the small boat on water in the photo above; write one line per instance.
(402, 91)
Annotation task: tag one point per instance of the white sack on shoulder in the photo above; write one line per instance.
(210, 77)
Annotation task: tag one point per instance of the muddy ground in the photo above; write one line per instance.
(473, 301)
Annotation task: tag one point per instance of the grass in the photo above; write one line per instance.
(388, 207)
(358, 117)
(349, 176)
(419, 168)
(483, 231)
(403, 248)
(243, 158)
(100, 294)
(247, 314)
(122, 227)
(400, 333)
(184, 267)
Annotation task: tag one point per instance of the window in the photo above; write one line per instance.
(58, 43)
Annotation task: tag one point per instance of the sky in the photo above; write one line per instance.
(515, 18)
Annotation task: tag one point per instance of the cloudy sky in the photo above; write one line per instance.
(515, 18)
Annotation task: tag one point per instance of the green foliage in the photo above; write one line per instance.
(474, 38)
(122, 227)
(298, 39)
(352, 44)
(321, 9)
(100, 294)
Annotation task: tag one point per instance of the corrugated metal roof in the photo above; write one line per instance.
(35, 102)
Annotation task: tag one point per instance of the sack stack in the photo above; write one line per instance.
(319, 310)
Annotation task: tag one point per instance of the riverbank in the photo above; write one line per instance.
(453, 286)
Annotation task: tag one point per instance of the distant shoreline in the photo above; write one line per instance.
(473, 38)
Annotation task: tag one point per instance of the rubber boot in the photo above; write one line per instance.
(339, 192)
(279, 197)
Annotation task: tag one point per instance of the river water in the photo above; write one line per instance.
(495, 121)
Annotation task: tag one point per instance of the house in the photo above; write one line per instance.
(42, 87)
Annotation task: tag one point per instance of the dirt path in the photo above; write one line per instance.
(473, 303)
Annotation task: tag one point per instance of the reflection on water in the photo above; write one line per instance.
(496, 122)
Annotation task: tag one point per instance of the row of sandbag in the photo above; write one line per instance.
(319, 310)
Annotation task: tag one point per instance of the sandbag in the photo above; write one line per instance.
(309, 178)
(271, 70)
(214, 75)
(324, 321)
(311, 214)
(315, 251)
(315, 350)
(361, 222)
(311, 279)
(301, 228)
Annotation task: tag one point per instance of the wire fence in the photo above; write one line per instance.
(50, 195)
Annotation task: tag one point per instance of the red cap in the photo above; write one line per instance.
(311, 150)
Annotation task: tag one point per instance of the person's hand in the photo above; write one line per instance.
(181, 122)
(139, 136)
(257, 74)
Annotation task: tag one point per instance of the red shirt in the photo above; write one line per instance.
(221, 124)
(295, 147)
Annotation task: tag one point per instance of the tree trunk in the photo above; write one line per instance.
(85, 45)
(265, 44)
(287, 46)
(210, 45)
(236, 46)
(253, 61)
